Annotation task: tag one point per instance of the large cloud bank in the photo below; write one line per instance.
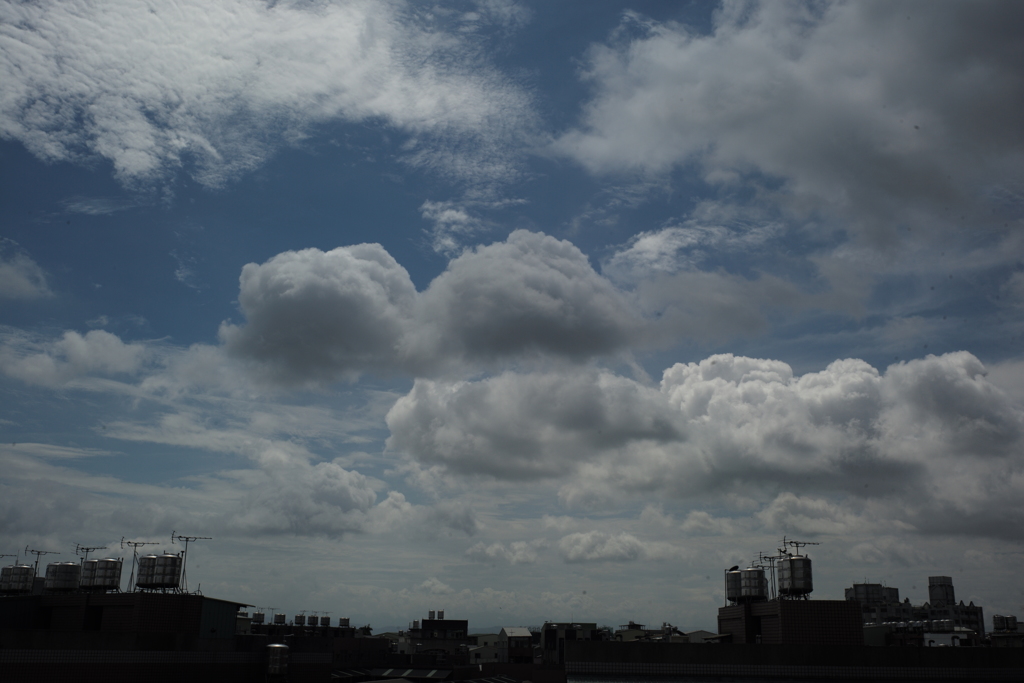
(875, 111)
(218, 87)
(930, 441)
(313, 315)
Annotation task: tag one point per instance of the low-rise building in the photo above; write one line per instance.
(517, 643)
(554, 635)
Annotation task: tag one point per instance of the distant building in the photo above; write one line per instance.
(941, 614)
(517, 644)
(486, 648)
(554, 635)
(439, 641)
(666, 633)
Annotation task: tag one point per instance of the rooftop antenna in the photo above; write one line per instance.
(37, 553)
(135, 556)
(186, 540)
(795, 544)
(79, 549)
(762, 558)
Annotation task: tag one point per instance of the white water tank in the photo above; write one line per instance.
(108, 574)
(795, 576)
(753, 585)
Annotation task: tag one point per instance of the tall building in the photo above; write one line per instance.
(940, 591)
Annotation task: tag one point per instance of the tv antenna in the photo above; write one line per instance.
(794, 544)
(87, 549)
(37, 553)
(135, 556)
(186, 540)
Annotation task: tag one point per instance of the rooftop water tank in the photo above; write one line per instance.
(17, 579)
(998, 622)
(325, 621)
(753, 585)
(733, 585)
(88, 574)
(300, 620)
(277, 660)
(147, 571)
(108, 574)
(258, 617)
(343, 622)
(795, 576)
(62, 576)
(280, 619)
(159, 571)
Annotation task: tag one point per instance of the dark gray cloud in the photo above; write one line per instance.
(879, 114)
(526, 427)
(532, 294)
(312, 314)
(316, 316)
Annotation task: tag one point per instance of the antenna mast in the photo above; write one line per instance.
(37, 553)
(135, 556)
(87, 549)
(795, 544)
(186, 540)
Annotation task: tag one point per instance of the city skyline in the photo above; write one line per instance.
(516, 309)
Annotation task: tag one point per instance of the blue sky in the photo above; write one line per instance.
(521, 310)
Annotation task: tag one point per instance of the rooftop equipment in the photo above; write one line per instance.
(280, 620)
(186, 540)
(62, 576)
(733, 584)
(794, 570)
(430, 614)
(37, 553)
(101, 575)
(161, 572)
(300, 620)
(17, 579)
(325, 621)
(440, 614)
(795, 576)
(258, 617)
(134, 545)
(753, 585)
(277, 662)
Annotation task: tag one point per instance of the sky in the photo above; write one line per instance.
(522, 310)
